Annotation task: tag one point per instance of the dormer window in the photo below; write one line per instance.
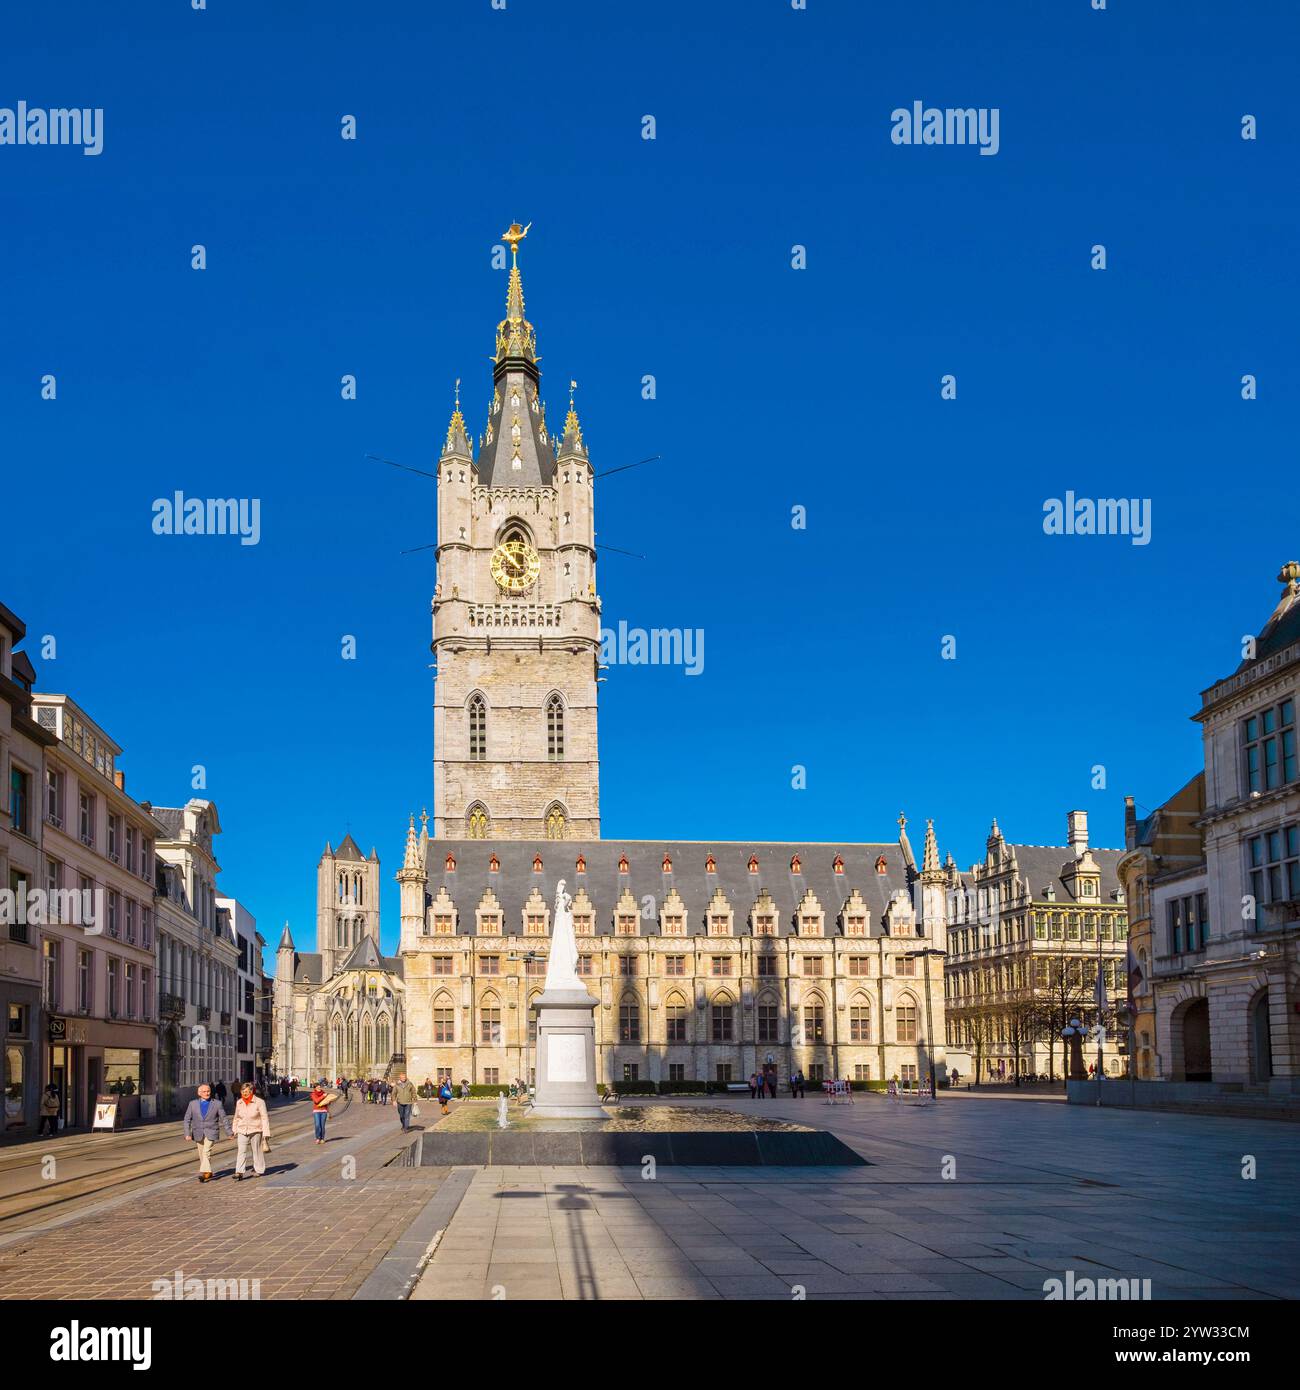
(838, 865)
(710, 865)
(537, 863)
(796, 865)
(880, 865)
(580, 865)
(667, 865)
(753, 863)
(494, 864)
(622, 863)
(451, 863)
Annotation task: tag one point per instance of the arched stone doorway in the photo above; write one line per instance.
(1193, 1024)
(1261, 1042)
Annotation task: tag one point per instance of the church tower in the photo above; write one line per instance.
(516, 619)
(347, 903)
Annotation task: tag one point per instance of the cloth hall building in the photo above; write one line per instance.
(709, 960)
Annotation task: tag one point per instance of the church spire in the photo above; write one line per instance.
(412, 847)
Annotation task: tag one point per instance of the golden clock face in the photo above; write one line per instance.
(515, 566)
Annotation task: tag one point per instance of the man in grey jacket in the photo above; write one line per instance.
(205, 1121)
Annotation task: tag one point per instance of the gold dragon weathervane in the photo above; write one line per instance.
(514, 236)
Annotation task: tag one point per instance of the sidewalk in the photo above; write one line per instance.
(315, 1227)
(42, 1173)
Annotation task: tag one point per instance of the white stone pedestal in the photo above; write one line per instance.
(566, 1056)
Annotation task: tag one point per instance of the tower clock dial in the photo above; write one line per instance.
(515, 566)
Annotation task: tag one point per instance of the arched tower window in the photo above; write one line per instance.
(477, 729)
(476, 823)
(555, 822)
(555, 729)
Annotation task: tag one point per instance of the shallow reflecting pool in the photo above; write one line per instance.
(471, 1116)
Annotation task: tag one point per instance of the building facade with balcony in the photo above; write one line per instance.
(1028, 931)
(1226, 929)
(98, 949)
(198, 958)
(22, 769)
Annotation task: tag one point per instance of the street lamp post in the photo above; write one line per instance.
(924, 955)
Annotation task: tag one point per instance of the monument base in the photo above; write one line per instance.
(566, 1057)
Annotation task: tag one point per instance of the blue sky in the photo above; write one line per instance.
(776, 388)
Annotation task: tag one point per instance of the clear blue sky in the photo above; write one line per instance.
(776, 387)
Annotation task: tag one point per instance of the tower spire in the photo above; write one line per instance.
(930, 855)
(412, 860)
(516, 337)
(572, 441)
(517, 450)
(457, 438)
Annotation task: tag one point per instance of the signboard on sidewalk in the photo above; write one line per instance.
(105, 1113)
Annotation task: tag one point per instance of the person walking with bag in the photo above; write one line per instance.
(444, 1096)
(252, 1128)
(49, 1110)
(204, 1122)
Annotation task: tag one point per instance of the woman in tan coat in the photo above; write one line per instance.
(252, 1127)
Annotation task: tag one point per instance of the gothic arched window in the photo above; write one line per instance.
(477, 729)
(555, 823)
(476, 823)
(555, 729)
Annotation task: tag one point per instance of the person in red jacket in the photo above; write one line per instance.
(320, 1109)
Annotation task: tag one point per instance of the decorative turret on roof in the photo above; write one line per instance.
(517, 451)
(412, 859)
(457, 444)
(930, 868)
(286, 939)
(572, 441)
(905, 844)
(1283, 626)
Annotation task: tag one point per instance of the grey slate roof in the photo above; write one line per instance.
(1042, 865)
(514, 881)
(171, 819)
(494, 464)
(307, 968)
(349, 849)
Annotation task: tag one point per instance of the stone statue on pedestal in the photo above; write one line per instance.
(566, 1028)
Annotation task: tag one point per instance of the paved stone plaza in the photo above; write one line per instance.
(1036, 1188)
(1039, 1188)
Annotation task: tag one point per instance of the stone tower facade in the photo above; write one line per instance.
(347, 903)
(516, 618)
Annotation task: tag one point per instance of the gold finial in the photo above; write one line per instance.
(1289, 573)
(902, 821)
(514, 236)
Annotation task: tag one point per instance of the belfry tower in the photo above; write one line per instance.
(516, 618)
